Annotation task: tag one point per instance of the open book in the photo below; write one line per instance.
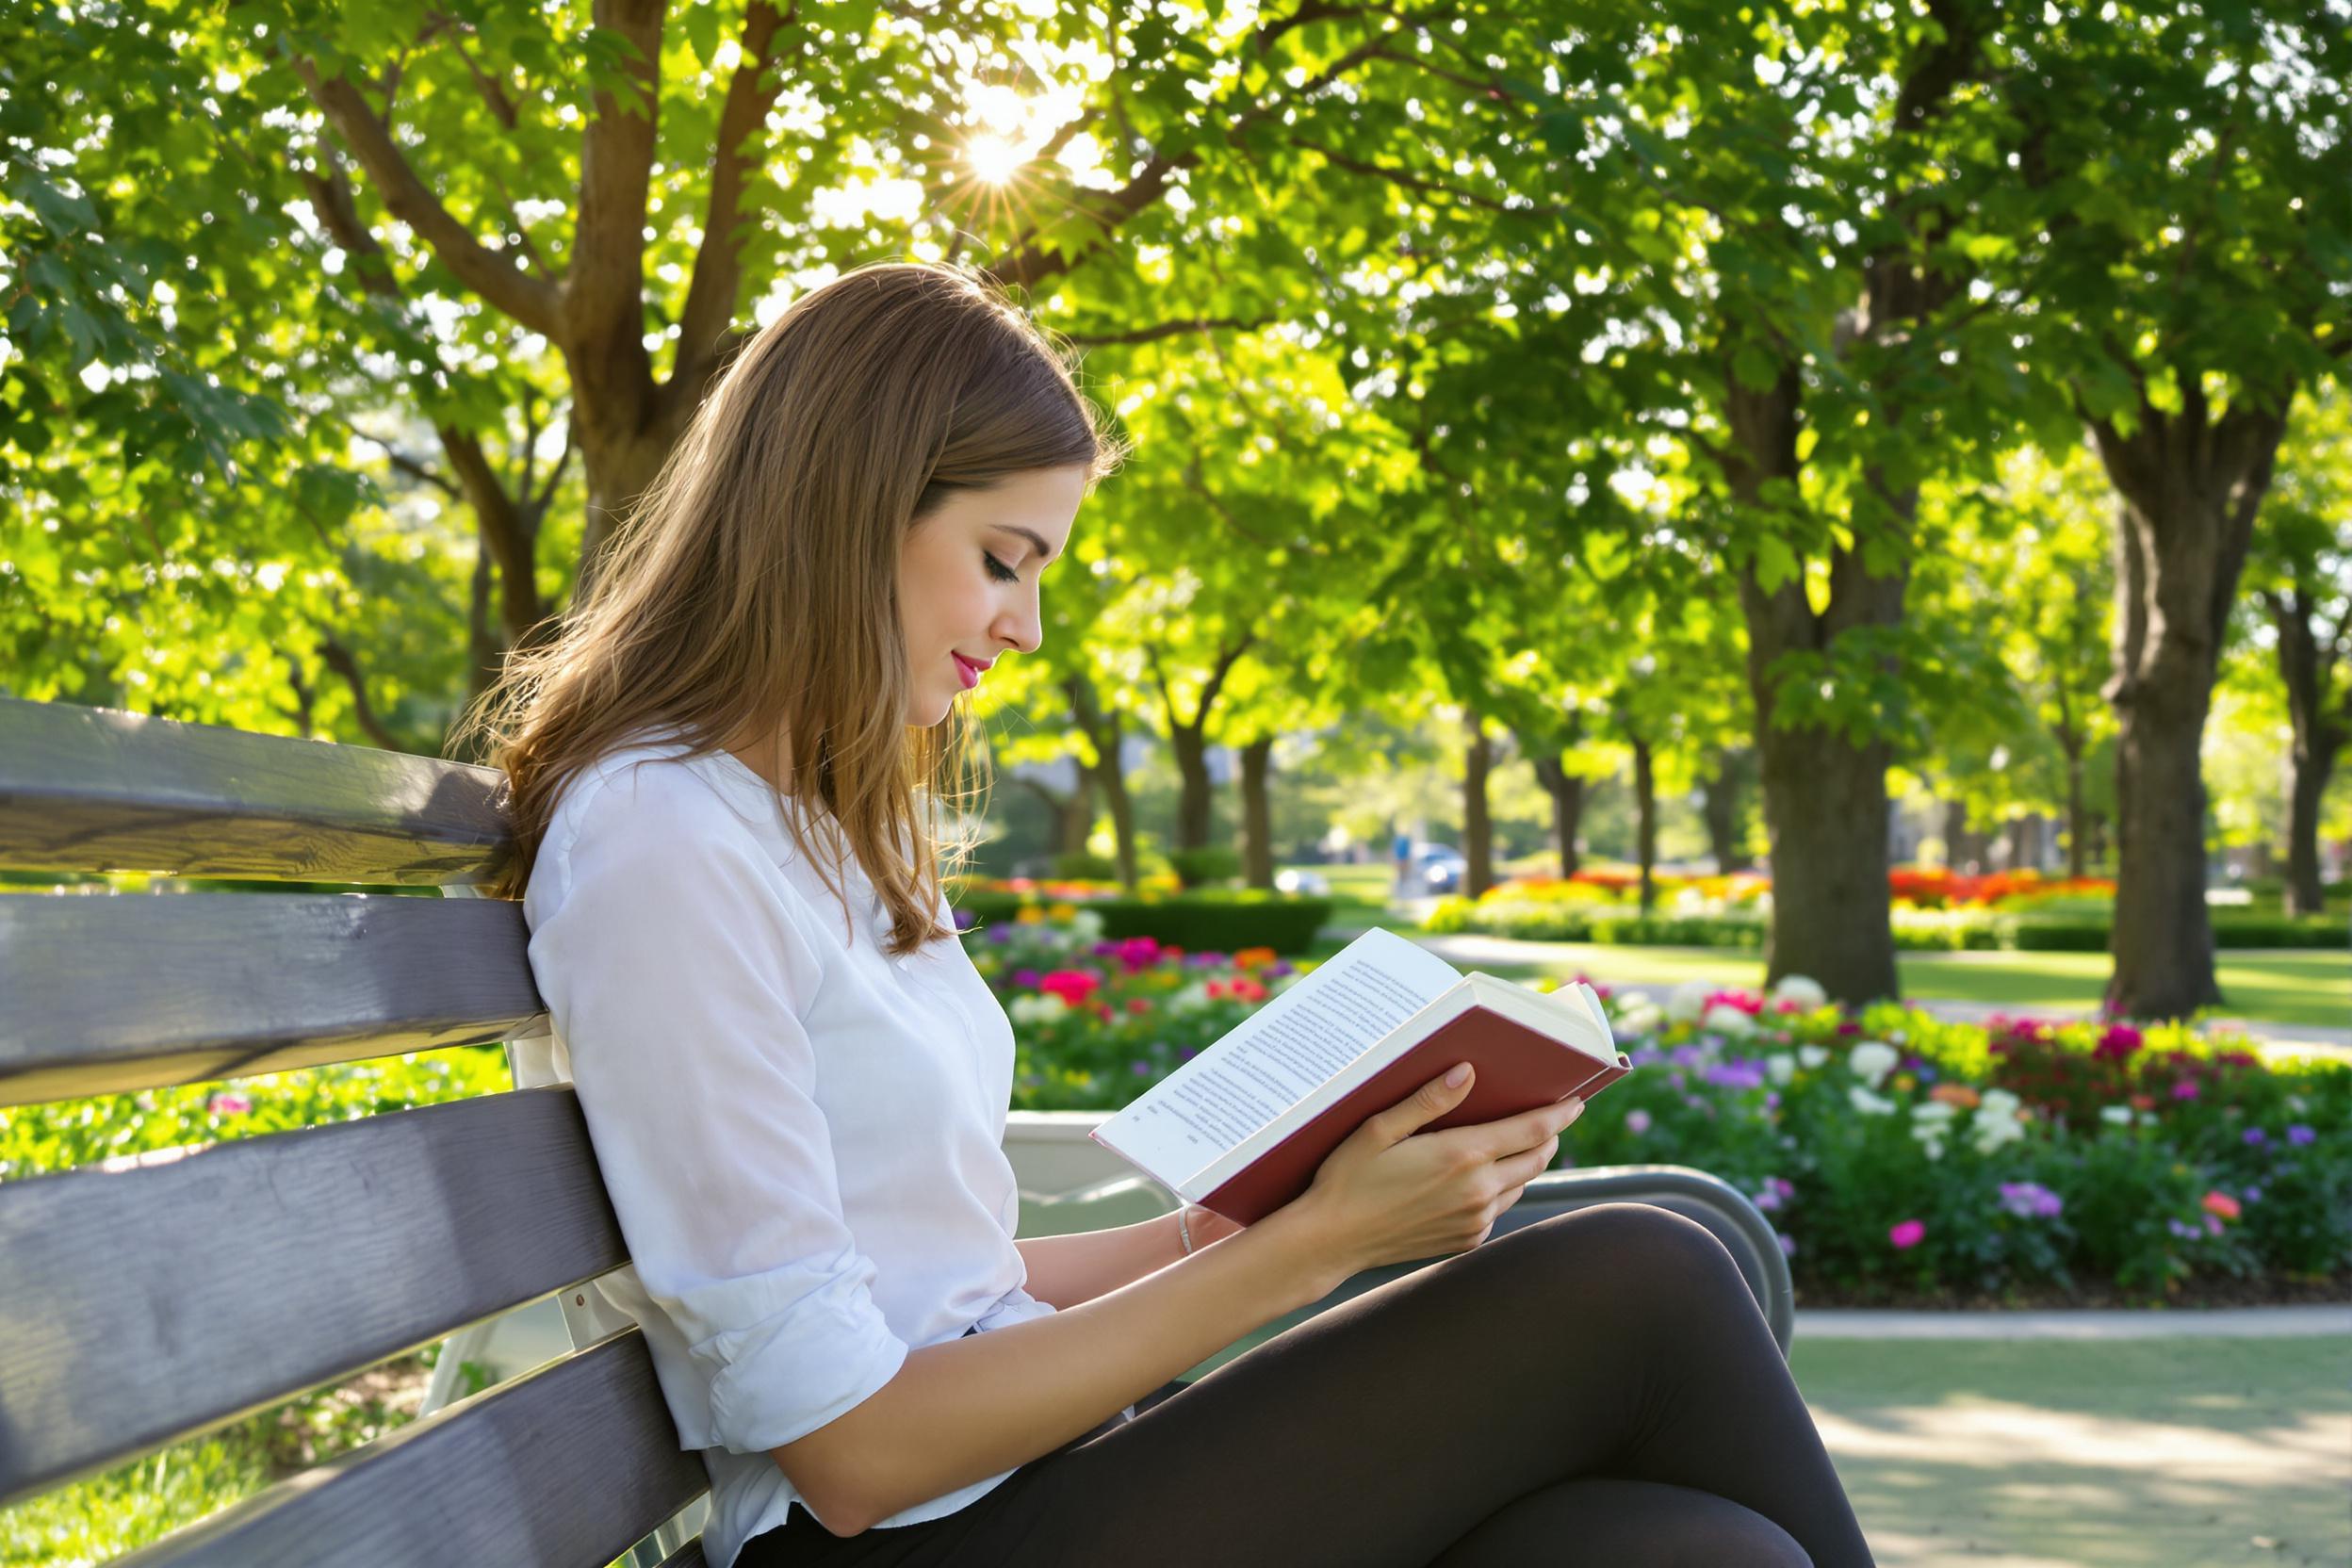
(1243, 1127)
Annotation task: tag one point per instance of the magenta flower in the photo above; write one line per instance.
(1907, 1234)
(2184, 1088)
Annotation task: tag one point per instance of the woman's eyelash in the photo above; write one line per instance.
(998, 570)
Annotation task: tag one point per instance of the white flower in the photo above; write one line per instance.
(1866, 1103)
(1780, 1067)
(1871, 1061)
(1931, 1140)
(1726, 1020)
(1800, 989)
(1043, 1007)
(1086, 926)
(1997, 1102)
(1191, 998)
(1686, 1002)
(1990, 1135)
(1645, 1019)
(2115, 1116)
(1934, 1112)
(1628, 1002)
(1811, 1058)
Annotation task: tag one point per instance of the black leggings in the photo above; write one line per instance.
(1596, 1388)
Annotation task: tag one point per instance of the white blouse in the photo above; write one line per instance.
(802, 1138)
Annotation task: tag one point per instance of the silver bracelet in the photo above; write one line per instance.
(1184, 1225)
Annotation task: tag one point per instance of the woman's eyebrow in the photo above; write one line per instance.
(1036, 541)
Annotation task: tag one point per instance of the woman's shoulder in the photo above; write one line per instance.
(653, 796)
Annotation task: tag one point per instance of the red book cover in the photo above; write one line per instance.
(1517, 1069)
(1244, 1126)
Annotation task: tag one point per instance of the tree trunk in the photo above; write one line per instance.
(1478, 827)
(2190, 486)
(1195, 791)
(1106, 731)
(2077, 819)
(1645, 816)
(1959, 843)
(1257, 815)
(1722, 813)
(1825, 802)
(2308, 674)
(1567, 792)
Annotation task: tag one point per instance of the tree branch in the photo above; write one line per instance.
(606, 289)
(710, 295)
(337, 657)
(1169, 329)
(530, 300)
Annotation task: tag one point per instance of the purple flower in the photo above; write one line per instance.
(2300, 1135)
(2213, 1224)
(1767, 1199)
(1000, 934)
(964, 918)
(1636, 1122)
(2029, 1199)
(1787, 1245)
(2184, 1089)
(1188, 1053)
(1276, 970)
(1772, 1100)
(1735, 1075)
(2256, 1137)
(1025, 977)
(1143, 1069)
(1687, 1055)
(2185, 1232)
(2253, 1195)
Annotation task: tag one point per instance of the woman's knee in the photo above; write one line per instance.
(1636, 1246)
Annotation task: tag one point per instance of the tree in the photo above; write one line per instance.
(2191, 266)
(2300, 572)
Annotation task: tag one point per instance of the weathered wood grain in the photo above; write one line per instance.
(93, 789)
(140, 1306)
(564, 1467)
(101, 995)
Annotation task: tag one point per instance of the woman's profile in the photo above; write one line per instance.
(728, 768)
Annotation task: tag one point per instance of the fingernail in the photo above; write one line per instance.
(1459, 1075)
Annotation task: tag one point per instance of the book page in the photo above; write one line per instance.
(1278, 1055)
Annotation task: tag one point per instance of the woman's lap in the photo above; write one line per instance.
(1392, 1427)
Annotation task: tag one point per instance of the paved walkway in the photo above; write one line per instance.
(2159, 1323)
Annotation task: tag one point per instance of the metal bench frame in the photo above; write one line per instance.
(153, 1299)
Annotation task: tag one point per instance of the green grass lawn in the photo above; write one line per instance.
(2274, 986)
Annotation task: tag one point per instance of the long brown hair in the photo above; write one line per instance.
(751, 592)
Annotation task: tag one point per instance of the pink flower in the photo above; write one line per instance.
(1907, 1234)
(2221, 1204)
(2184, 1089)
(228, 1105)
(1636, 1122)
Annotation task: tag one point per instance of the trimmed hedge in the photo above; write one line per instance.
(1209, 921)
(1914, 930)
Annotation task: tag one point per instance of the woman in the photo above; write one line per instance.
(724, 770)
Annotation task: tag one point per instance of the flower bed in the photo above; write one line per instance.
(1893, 1151)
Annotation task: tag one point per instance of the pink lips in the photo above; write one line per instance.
(968, 671)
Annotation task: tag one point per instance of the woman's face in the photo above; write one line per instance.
(968, 580)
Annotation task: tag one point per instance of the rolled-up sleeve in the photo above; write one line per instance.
(672, 965)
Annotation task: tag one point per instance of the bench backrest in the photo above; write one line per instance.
(147, 1303)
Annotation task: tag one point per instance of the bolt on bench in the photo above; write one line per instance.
(148, 1304)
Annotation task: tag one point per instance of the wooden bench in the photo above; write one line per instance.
(146, 1305)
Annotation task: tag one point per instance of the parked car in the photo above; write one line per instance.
(1438, 868)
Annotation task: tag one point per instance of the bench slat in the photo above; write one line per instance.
(93, 789)
(110, 994)
(148, 1304)
(567, 1466)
